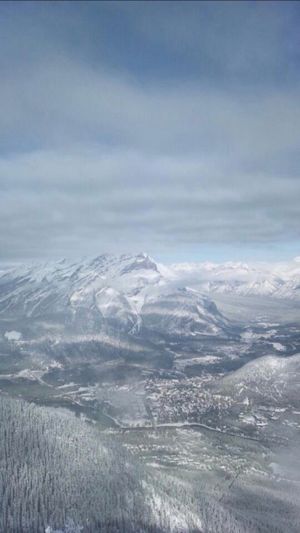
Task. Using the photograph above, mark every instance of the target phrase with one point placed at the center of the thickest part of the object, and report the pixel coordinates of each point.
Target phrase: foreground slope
(56, 469)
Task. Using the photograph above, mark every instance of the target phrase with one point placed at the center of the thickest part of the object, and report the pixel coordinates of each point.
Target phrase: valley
(202, 387)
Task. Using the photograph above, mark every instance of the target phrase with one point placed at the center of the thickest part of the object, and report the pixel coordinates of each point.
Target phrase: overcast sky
(171, 128)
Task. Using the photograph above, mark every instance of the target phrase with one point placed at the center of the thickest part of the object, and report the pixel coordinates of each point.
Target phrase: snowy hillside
(269, 379)
(183, 312)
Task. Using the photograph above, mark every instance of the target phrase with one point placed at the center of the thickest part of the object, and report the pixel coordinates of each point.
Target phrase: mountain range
(134, 293)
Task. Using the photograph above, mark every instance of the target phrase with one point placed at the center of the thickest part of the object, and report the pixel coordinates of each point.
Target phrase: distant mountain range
(280, 280)
(134, 292)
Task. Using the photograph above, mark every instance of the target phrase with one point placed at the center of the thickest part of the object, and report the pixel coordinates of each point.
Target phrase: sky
(171, 128)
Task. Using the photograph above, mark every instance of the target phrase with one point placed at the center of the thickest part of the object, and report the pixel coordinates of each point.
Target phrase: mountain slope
(269, 380)
(183, 312)
(126, 294)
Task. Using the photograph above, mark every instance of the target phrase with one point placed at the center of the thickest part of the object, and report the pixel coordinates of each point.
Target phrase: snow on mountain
(126, 293)
(281, 280)
(52, 285)
(131, 293)
(268, 379)
(182, 312)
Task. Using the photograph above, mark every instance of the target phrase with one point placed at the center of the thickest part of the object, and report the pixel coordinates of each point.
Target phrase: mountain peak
(141, 261)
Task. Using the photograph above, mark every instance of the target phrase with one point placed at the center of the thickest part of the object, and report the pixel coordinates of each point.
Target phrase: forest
(59, 473)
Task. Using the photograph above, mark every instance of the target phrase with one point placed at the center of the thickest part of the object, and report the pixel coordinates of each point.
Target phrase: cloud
(97, 158)
(65, 103)
(97, 200)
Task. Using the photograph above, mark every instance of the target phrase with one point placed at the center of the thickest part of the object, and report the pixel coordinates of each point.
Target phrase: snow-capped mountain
(280, 280)
(133, 294)
(126, 293)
